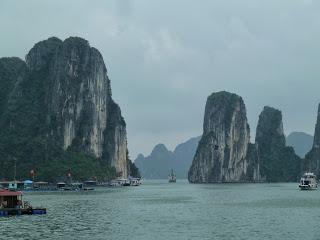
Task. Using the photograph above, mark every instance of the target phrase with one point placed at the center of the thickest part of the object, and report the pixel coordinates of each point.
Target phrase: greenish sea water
(159, 210)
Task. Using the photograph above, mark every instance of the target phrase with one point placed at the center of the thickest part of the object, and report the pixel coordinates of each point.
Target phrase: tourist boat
(76, 186)
(11, 204)
(121, 182)
(308, 182)
(135, 181)
(172, 177)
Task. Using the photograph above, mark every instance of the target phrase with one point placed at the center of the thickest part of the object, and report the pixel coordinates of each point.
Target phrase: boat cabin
(77, 186)
(135, 181)
(308, 181)
(90, 183)
(61, 185)
(10, 199)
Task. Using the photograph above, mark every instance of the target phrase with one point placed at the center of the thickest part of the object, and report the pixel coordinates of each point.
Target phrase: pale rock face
(222, 151)
(316, 142)
(120, 148)
(311, 163)
(225, 153)
(79, 98)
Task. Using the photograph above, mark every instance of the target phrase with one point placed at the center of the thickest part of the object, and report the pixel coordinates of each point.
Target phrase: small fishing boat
(172, 177)
(308, 181)
(11, 204)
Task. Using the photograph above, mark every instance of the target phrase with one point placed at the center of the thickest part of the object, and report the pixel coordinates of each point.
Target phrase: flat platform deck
(23, 211)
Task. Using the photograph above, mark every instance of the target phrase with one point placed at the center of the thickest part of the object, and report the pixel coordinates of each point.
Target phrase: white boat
(308, 181)
(135, 181)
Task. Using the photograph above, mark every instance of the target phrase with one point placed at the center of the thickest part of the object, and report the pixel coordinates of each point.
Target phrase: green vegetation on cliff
(278, 163)
(311, 163)
(42, 97)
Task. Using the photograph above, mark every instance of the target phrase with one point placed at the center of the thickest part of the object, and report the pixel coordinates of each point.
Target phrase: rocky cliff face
(312, 159)
(277, 162)
(11, 71)
(222, 150)
(225, 153)
(66, 87)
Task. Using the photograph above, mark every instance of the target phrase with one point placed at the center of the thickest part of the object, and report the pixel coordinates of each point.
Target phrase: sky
(165, 57)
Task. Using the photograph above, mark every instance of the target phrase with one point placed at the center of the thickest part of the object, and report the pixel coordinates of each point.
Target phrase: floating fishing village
(11, 192)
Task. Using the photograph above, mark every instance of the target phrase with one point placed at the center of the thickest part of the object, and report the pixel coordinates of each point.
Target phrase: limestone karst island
(159, 120)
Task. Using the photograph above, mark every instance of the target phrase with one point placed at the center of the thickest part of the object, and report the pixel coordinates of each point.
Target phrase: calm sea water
(159, 210)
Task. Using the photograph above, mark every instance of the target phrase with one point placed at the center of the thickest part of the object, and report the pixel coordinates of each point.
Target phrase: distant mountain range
(301, 142)
(161, 160)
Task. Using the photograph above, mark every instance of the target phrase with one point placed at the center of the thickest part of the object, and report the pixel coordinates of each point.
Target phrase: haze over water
(159, 210)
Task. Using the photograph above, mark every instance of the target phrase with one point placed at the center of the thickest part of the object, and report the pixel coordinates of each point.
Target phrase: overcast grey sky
(164, 57)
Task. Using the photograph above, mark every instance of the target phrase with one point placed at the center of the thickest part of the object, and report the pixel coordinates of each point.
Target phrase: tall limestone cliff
(225, 154)
(312, 159)
(222, 151)
(277, 162)
(59, 110)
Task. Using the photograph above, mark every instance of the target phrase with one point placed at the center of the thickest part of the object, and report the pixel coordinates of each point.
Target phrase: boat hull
(306, 188)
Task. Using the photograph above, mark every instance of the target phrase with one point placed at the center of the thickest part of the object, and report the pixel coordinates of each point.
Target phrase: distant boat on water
(172, 177)
(308, 181)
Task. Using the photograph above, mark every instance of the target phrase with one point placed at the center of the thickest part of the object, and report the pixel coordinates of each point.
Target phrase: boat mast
(15, 168)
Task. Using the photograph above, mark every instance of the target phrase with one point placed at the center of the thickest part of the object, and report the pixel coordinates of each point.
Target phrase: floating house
(12, 185)
(9, 199)
(27, 184)
(11, 204)
(41, 186)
